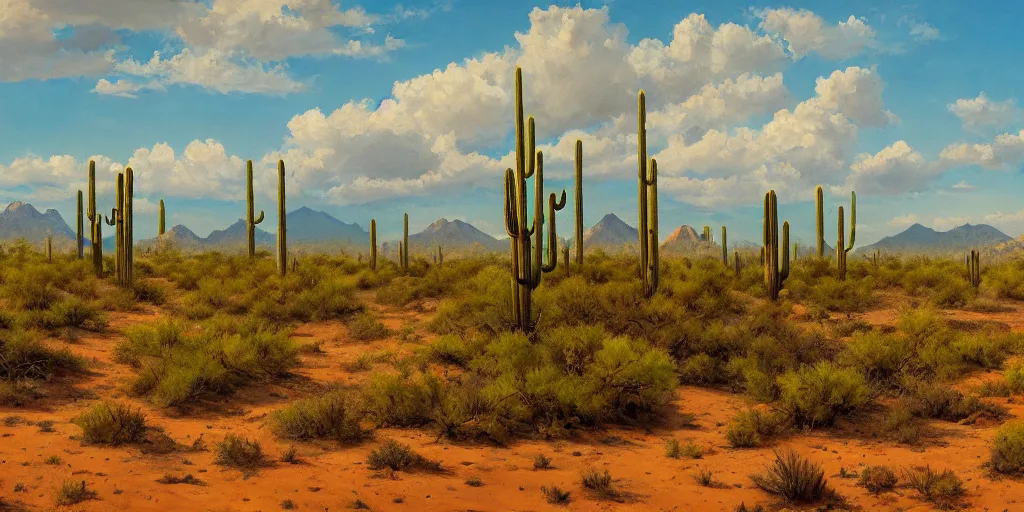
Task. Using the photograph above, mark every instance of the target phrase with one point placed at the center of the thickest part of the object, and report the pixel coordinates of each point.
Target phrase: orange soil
(331, 478)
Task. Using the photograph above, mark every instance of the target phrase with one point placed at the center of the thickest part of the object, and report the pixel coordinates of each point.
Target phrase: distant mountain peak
(17, 205)
(611, 234)
(919, 239)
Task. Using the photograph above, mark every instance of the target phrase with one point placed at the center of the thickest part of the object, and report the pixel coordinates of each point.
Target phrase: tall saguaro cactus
(403, 253)
(974, 268)
(578, 237)
(250, 209)
(819, 220)
(440, 256)
(373, 244)
(725, 249)
(707, 234)
(95, 224)
(122, 218)
(774, 276)
(842, 249)
(80, 232)
(49, 248)
(282, 226)
(527, 265)
(647, 200)
(161, 224)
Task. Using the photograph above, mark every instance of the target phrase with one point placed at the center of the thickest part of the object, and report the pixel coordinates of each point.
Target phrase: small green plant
(73, 493)
(541, 461)
(291, 455)
(288, 505)
(877, 479)
(53, 460)
(397, 457)
(705, 478)
(475, 482)
(333, 415)
(672, 448)
(240, 453)
(944, 489)
(752, 428)
(555, 495)
(794, 477)
(364, 327)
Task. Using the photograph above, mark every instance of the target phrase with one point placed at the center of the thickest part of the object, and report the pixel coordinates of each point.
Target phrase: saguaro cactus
(647, 200)
(841, 248)
(736, 259)
(95, 224)
(80, 232)
(373, 244)
(161, 223)
(440, 256)
(578, 236)
(819, 220)
(122, 218)
(403, 249)
(282, 227)
(250, 209)
(774, 276)
(725, 249)
(974, 268)
(49, 248)
(527, 265)
(707, 234)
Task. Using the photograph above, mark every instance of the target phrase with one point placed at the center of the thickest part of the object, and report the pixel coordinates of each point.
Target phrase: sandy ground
(331, 478)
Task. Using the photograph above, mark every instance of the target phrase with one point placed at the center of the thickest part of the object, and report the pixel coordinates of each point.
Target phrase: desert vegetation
(571, 379)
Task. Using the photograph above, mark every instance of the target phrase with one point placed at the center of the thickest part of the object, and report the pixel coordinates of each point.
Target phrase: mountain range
(318, 231)
(918, 239)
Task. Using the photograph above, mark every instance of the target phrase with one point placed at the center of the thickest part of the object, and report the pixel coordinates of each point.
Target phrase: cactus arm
(552, 262)
(258, 219)
(511, 221)
(652, 207)
(113, 217)
(785, 252)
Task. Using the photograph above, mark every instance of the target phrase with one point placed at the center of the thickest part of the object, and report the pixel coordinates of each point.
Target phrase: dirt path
(331, 477)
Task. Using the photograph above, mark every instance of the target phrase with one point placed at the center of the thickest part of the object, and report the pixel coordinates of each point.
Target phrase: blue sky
(913, 106)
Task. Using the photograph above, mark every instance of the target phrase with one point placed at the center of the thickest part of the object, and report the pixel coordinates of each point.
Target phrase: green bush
(241, 453)
(877, 479)
(334, 415)
(752, 428)
(398, 457)
(113, 424)
(365, 327)
(816, 395)
(1008, 449)
(944, 490)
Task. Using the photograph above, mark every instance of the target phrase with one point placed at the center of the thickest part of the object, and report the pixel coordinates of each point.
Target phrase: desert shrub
(365, 327)
(1008, 449)
(334, 415)
(752, 428)
(816, 395)
(176, 366)
(483, 305)
(454, 350)
(33, 286)
(72, 493)
(73, 312)
(794, 478)
(701, 369)
(881, 358)
(555, 495)
(400, 400)
(901, 425)
(877, 479)
(241, 453)
(944, 490)
(112, 424)
(24, 356)
(598, 483)
(934, 400)
(1014, 376)
(541, 461)
(846, 296)
(1006, 280)
(398, 457)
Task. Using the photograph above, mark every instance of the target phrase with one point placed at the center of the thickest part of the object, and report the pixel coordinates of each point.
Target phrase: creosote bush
(333, 415)
(113, 424)
(241, 453)
(794, 478)
(1008, 449)
(877, 479)
(398, 457)
(945, 490)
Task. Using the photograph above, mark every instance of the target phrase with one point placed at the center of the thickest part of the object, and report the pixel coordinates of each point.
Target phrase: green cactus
(565, 256)
(774, 276)
(796, 251)
(527, 265)
(49, 248)
(373, 245)
(282, 228)
(122, 218)
(95, 223)
(161, 222)
(819, 220)
(80, 232)
(440, 256)
(842, 249)
(725, 249)
(974, 268)
(736, 259)
(250, 210)
(647, 200)
(707, 234)
(578, 235)
(403, 252)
